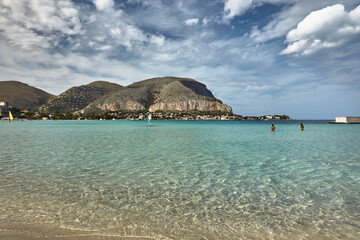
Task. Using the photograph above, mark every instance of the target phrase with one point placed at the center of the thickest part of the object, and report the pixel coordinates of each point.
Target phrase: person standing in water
(301, 126)
(272, 127)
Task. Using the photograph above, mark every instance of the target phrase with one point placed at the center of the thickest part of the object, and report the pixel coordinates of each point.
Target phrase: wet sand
(9, 235)
(21, 236)
(23, 231)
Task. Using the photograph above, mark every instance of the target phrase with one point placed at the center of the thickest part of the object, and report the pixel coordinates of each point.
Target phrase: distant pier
(346, 120)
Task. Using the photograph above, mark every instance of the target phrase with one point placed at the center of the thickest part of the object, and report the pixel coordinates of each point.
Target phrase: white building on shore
(347, 120)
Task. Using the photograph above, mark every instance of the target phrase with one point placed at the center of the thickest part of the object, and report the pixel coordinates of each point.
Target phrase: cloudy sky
(296, 57)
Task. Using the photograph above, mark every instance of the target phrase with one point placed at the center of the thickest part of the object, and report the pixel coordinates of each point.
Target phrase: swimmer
(272, 127)
(301, 126)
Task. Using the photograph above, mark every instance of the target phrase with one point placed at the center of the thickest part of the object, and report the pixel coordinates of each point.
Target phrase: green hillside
(77, 98)
(22, 95)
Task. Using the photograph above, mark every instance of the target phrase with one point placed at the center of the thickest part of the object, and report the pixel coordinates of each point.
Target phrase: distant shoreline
(155, 120)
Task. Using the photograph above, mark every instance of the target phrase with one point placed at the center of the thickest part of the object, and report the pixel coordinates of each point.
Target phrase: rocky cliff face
(77, 98)
(191, 105)
(160, 94)
(128, 105)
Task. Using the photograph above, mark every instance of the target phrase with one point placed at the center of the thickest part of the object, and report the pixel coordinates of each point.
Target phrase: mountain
(22, 95)
(160, 94)
(77, 98)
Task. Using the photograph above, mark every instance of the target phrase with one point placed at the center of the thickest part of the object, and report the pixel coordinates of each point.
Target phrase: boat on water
(149, 118)
(10, 117)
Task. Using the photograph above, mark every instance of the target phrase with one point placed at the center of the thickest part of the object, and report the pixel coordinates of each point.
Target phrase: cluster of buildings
(275, 117)
(168, 116)
(183, 116)
(5, 107)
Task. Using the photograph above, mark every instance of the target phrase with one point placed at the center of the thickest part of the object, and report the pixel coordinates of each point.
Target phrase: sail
(149, 118)
(10, 117)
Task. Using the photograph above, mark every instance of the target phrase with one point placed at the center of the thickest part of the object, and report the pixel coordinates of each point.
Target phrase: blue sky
(295, 57)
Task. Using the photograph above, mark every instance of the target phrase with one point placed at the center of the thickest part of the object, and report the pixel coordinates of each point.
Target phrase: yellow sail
(10, 117)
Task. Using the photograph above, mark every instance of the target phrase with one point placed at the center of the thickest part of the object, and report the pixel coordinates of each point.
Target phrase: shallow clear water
(183, 179)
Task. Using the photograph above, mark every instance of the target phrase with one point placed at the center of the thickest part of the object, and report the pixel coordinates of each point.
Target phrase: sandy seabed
(23, 231)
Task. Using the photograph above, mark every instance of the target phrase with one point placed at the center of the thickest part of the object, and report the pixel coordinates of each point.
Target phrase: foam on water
(183, 180)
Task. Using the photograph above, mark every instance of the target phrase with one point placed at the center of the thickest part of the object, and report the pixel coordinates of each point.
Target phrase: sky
(295, 57)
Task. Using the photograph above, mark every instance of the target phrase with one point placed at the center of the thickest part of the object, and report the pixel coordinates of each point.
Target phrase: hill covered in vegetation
(22, 95)
(77, 98)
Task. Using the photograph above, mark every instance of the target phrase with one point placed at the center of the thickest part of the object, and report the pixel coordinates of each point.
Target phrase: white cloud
(205, 21)
(233, 8)
(325, 28)
(292, 12)
(44, 15)
(191, 21)
(21, 21)
(26, 38)
(102, 5)
(158, 40)
(286, 19)
(317, 22)
(277, 27)
(43, 24)
(126, 35)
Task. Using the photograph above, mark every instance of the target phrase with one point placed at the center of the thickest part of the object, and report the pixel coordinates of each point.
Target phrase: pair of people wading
(273, 127)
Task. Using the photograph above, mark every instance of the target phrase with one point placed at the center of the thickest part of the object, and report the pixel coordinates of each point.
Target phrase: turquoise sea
(181, 179)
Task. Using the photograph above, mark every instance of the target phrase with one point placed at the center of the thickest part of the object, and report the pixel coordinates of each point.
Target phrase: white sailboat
(149, 118)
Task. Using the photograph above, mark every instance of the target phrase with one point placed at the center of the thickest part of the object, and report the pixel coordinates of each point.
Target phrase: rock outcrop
(191, 105)
(160, 94)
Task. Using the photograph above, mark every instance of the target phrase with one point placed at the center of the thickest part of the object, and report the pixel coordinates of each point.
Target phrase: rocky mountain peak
(161, 94)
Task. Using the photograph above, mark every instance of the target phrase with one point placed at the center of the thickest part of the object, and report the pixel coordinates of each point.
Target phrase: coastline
(180, 119)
